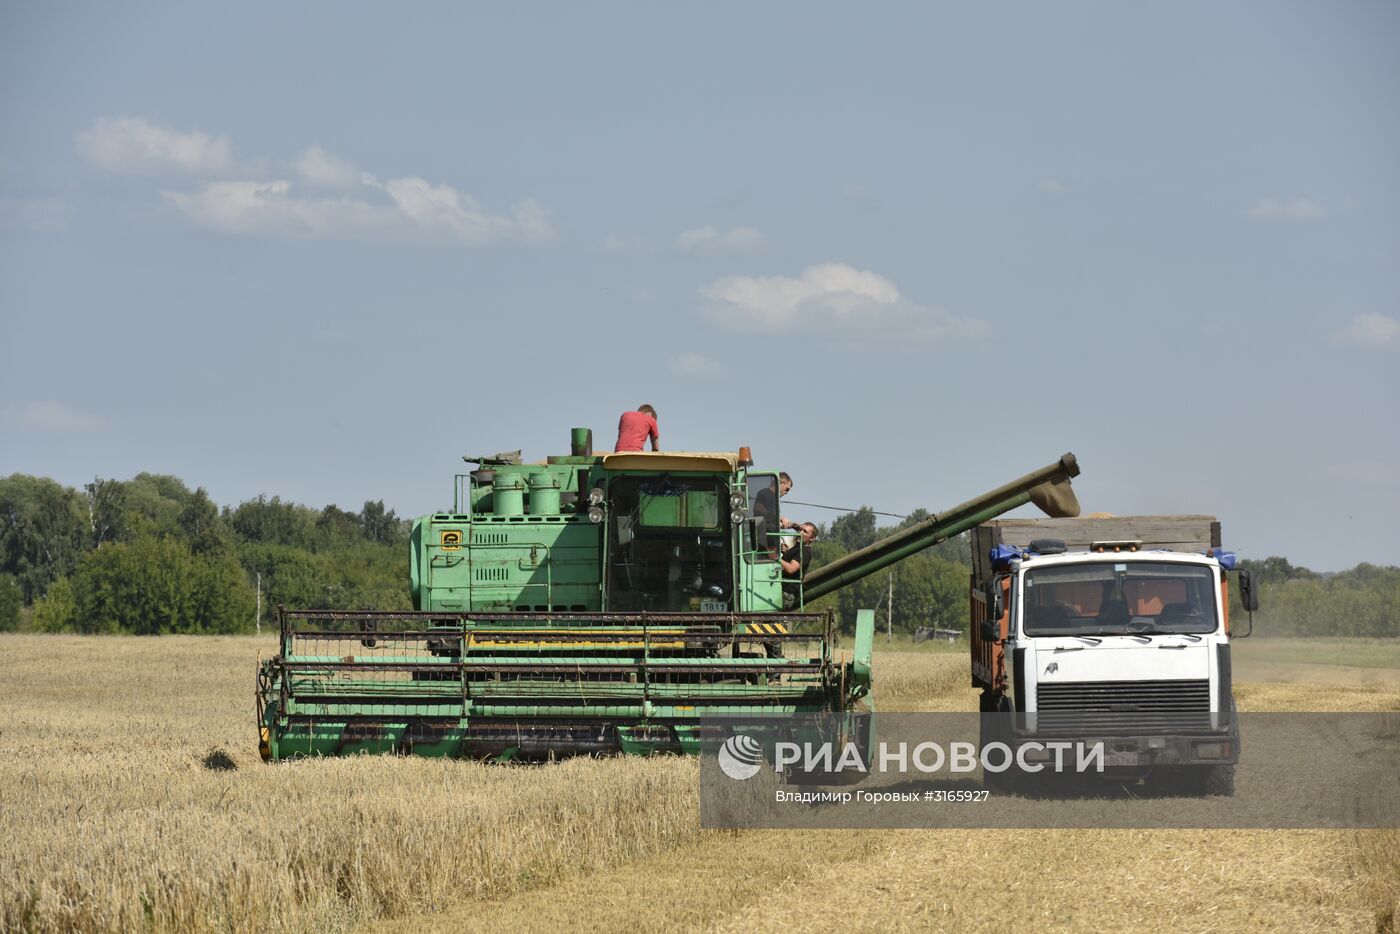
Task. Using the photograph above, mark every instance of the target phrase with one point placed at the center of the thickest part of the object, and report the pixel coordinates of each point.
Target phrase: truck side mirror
(1249, 597)
(991, 592)
(990, 631)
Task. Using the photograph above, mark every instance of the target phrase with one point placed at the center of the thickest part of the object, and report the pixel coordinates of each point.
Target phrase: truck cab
(1113, 642)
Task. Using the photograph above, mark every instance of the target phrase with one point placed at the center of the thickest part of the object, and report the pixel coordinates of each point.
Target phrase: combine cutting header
(592, 603)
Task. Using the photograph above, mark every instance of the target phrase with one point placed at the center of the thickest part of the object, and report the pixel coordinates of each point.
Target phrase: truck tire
(995, 712)
(1218, 780)
(1194, 781)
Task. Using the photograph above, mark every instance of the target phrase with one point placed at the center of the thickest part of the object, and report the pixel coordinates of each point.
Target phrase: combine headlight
(737, 500)
(736, 517)
(595, 496)
(595, 514)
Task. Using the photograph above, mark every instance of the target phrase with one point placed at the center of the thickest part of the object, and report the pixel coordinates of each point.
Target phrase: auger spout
(1048, 488)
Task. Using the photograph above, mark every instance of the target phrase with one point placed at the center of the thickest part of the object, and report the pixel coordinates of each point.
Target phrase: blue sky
(906, 253)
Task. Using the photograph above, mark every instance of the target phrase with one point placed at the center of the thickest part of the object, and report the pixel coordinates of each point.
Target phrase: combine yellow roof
(652, 461)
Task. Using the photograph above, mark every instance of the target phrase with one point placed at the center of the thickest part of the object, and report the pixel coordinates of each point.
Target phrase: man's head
(647, 410)
(784, 483)
(809, 532)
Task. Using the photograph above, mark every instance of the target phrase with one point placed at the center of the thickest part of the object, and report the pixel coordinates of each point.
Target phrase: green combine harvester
(591, 604)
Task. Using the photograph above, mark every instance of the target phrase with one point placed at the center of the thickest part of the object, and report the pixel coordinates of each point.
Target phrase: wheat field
(132, 799)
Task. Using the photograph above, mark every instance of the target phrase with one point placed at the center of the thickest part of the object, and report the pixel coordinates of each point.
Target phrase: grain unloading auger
(589, 604)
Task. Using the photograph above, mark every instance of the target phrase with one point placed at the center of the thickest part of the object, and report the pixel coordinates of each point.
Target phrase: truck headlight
(737, 500)
(595, 497)
(595, 514)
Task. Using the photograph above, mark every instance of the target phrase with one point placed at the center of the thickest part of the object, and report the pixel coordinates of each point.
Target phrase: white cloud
(49, 416)
(270, 208)
(710, 240)
(1295, 209)
(441, 209)
(414, 210)
(318, 167)
(330, 197)
(1052, 186)
(133, 146)
(1377, 332)
(694, 364)
(772, 303)
(831, 298)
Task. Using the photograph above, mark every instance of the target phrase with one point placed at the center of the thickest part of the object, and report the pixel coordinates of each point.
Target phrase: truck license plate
(713, 606)
(1125, 758)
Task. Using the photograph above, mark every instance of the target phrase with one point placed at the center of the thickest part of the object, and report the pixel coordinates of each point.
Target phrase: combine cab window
(1119, 598)
(669, 545)
(761, 538)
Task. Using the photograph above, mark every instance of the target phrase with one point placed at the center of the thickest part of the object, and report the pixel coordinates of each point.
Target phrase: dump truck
(1112, 630)
(591, 604)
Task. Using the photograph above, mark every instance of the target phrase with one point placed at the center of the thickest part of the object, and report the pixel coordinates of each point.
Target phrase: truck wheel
(1218, 780)
(1194, 781)
(995, 712)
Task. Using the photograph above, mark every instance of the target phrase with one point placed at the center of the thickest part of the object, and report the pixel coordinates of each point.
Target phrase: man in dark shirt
(765, 504)
(633, 429)
(795, 561)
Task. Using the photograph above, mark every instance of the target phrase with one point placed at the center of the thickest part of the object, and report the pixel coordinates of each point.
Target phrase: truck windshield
(1119, 598)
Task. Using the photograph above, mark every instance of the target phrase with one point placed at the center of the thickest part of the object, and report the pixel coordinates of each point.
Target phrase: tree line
(149, 555)
(929, 588)
(1363, 601)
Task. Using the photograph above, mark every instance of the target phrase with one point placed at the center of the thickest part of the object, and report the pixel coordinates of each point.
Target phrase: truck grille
(1127, 707)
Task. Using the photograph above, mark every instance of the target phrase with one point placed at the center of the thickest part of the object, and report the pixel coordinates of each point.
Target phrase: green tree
(150, 586)
(57, 609)
(202, 528)
(107, 510)
(338, 528)
(43, 531)
(289, 576)
(11, 599)
(1275, 570)
(380, 526)
(854, 530)
(159, 499)
(370, 575)
(271, 521)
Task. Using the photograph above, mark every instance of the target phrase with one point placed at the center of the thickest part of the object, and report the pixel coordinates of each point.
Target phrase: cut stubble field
(132, 798)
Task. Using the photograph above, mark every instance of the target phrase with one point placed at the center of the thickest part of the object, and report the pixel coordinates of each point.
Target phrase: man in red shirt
(634, 428)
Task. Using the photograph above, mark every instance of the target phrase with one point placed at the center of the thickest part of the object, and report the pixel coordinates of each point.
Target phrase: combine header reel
(535, 686)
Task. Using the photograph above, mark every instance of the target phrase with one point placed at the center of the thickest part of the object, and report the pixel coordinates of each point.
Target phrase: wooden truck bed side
(1176, 533)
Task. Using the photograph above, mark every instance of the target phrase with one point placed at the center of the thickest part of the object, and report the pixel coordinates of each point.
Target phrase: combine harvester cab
(589, 604)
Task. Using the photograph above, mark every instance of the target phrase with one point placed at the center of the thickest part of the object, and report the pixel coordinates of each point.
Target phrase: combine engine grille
(1123, 707)
(534, 685)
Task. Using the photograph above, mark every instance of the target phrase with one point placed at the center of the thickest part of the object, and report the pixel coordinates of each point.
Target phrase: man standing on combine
(634, 428)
